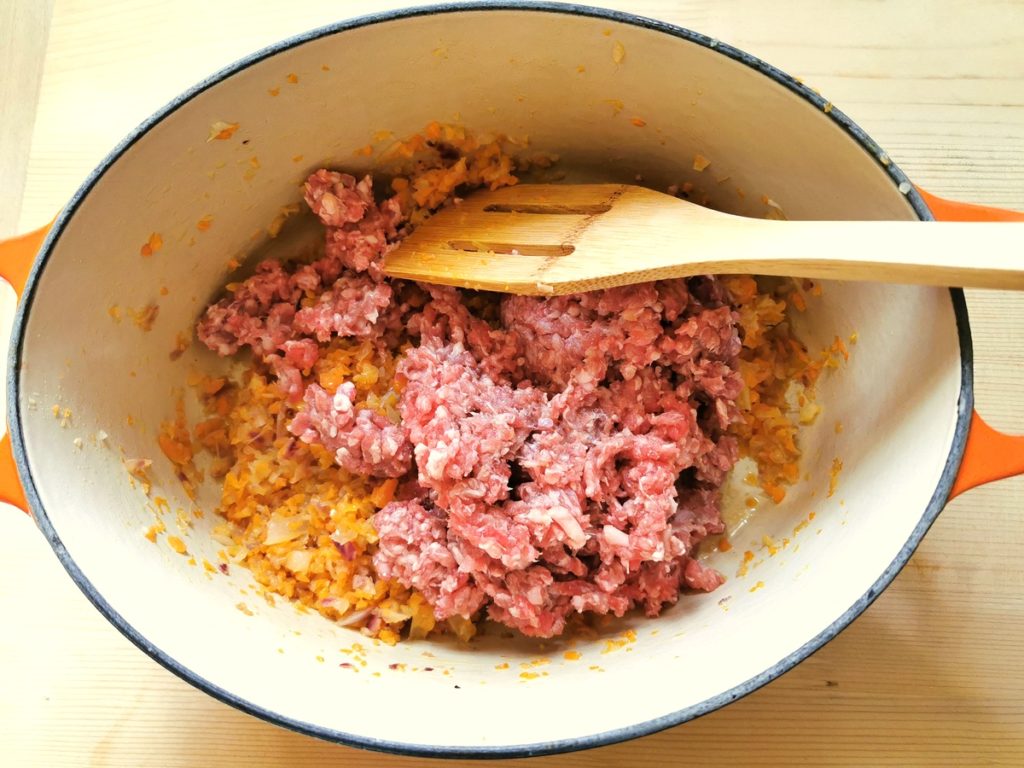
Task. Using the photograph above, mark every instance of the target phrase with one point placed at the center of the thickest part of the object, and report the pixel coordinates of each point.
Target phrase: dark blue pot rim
(935, 505)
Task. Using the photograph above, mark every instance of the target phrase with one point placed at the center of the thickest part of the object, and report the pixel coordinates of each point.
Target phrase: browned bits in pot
(181, 343)
(833, 476)
(145, 317)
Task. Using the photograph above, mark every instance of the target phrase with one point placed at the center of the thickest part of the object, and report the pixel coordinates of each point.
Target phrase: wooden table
(932, 674)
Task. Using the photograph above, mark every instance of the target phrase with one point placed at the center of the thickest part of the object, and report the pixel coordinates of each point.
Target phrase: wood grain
(21, 65)
(932, 674)
(554, 239)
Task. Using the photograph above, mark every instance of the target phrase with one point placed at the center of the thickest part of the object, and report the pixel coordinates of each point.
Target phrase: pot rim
(936, 503)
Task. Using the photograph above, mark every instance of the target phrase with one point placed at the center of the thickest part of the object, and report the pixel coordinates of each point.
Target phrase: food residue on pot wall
(152, 245)
(221, 131)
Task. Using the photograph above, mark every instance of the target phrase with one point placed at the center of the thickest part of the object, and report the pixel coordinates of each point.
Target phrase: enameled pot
(614, 96)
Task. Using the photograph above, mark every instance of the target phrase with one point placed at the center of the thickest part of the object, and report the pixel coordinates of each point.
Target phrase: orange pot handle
(16, 258)
(948, 210)
(989, 455)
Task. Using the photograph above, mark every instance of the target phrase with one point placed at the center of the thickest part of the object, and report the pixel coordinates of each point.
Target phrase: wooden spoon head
(540, 239)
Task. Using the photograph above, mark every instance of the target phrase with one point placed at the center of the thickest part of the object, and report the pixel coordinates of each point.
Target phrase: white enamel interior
(516, 72)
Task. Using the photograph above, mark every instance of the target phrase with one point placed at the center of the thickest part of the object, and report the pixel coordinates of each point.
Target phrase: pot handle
(949, 210)
(989, 455)
(16, 258)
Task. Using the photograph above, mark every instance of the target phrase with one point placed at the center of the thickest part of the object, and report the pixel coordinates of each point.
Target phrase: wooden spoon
(545, 239)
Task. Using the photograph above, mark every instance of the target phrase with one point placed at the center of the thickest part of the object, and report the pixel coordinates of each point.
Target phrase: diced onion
(281, 529)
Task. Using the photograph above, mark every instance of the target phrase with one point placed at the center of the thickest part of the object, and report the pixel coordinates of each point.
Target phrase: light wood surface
(553, 239)
(932, 674)
(21, 70)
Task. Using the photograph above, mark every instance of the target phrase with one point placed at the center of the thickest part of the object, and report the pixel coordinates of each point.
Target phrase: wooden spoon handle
(976, 255)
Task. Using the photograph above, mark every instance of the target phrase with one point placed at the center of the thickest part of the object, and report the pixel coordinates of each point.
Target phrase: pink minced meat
(358, 230)
(413, 550)
(569, 495)
(258, 313)
(466, 428)
(558, 455)
(363, 441)
(264, 312)
(349, 308)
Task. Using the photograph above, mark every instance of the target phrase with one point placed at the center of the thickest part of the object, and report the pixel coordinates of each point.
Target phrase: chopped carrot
(211, 386)
(178, 453)
(177, 545)
(776, 492)
(221, 131)
(384, 493)
(151, 246)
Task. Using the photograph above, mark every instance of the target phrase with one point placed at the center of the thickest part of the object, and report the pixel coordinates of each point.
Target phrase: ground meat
(337, 199)
(464, 426)
(557, 455)
(524, 599)
(413, 551)
(699, 576)
(697, 516)
(557, 333)
(500, 352)
(263, 312)
(363, 442)
(601, 404)
(350, 307)
(359, 231)
(490, 537)
(296, 360)
(257, 314)
(554, 518)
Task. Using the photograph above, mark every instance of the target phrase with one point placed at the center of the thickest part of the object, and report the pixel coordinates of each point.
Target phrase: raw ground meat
(414, 551)
(363, 442)
(567, 452)
(266, 311)
(349, 308)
